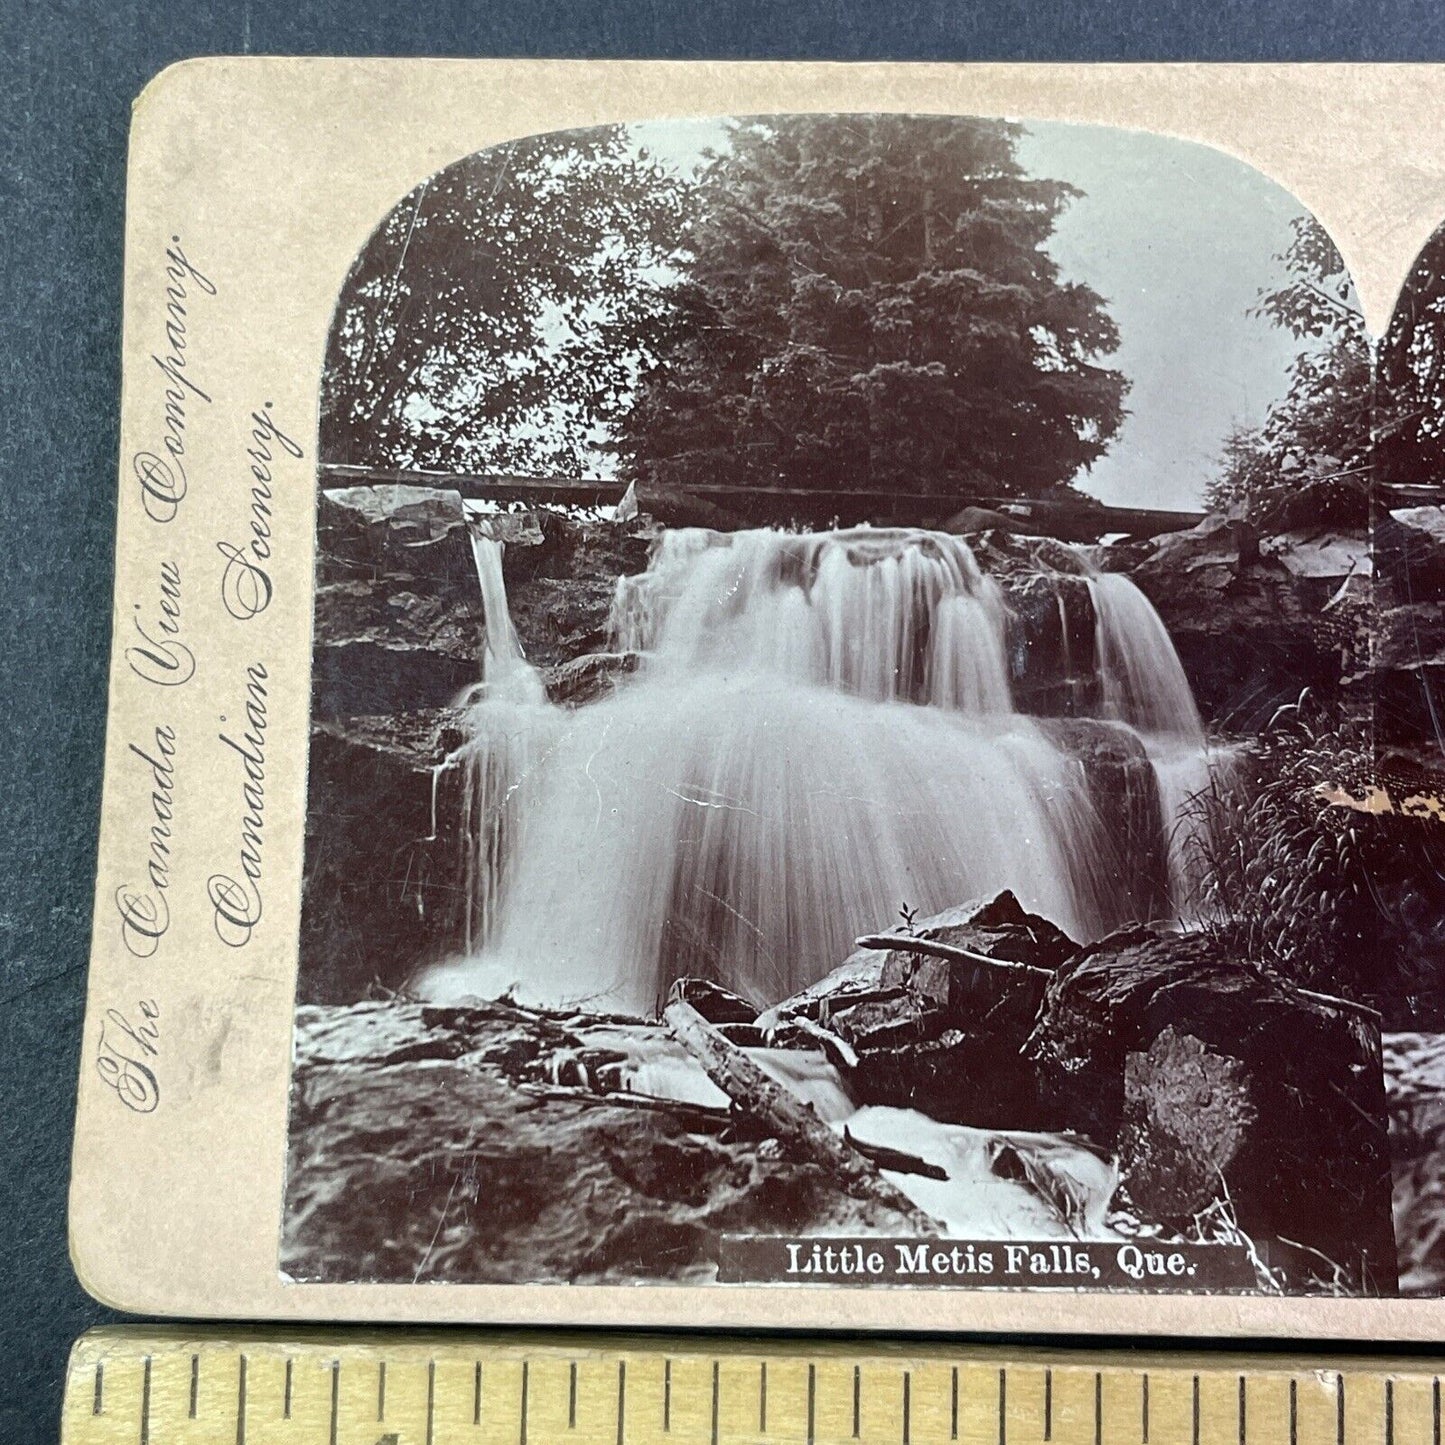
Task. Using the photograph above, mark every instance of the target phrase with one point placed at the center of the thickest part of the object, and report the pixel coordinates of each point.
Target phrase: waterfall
(507, 676)
(822, 731)
(1144, 684)
(509, 724)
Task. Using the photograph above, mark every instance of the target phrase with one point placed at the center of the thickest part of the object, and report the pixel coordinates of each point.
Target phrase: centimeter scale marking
(134, 1386)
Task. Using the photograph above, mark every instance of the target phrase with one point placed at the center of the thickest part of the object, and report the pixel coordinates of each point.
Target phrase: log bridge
(1076, 518)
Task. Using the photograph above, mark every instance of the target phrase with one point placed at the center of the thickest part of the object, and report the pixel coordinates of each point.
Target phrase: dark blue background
(68, 72)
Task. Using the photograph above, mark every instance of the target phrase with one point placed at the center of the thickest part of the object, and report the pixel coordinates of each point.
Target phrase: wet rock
(377, 874)
(1223, 1090)
(1121, 865)
(465, 1163)
(1049, 637)
(716, 1004)
(1251, 632)
(589, 677)
(399, 624)
(944, 1035)
(560, 592)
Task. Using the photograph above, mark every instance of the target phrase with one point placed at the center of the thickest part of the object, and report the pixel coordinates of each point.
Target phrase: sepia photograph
(876, 697)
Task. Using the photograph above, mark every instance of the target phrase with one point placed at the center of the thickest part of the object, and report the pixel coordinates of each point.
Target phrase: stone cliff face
(1257, 619)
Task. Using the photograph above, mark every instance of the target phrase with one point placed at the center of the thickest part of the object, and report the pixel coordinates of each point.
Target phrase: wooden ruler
(139, 1386)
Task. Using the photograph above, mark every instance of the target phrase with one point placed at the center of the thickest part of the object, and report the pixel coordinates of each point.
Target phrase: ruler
(142, 1386)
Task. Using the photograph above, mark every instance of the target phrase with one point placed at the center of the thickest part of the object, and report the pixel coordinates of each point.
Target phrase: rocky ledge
(975, 1073)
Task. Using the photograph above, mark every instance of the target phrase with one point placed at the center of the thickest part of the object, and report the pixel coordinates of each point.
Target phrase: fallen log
(898, 1160)
(699, 1118)
(786, 1116)
(906, 943)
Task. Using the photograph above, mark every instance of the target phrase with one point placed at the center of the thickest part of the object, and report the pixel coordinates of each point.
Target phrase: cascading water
(822, 731)
(509, 722)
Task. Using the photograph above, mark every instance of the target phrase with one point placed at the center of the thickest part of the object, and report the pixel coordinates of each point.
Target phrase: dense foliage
(1326, 894)
(495, 319)
(868, 303)
(1321, 428)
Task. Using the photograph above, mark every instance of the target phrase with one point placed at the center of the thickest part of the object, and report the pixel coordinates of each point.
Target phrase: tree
(1410, 394)
(867, 302)
(1320, 430)
(496, 318)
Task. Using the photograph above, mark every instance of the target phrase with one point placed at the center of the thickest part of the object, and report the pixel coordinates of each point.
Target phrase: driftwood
(786, 1116)
(905, 943)
(898, 1160)
(699, 1118)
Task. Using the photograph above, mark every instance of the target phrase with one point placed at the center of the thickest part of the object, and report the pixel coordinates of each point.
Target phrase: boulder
(480, 1145)
(942, 1034)
(1225, 1091)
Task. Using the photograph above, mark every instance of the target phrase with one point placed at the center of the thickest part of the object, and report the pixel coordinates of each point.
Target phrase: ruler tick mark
(477, 1394)
(1144, 1409)
(522, 1435)
(1435, 1408)
(621, 1399)
(952, 1412)
(431, 1397)
(1195, 1436)
(145, 1404)
(286, 1393)
(335, 1397)
(240, 1403)
(857, 1399)
(1002, 1406)
(763, 1398)
(1098, 1408)
(195, 1385)
(714, 1401)
(1340, 1409)
(1389, 1412)
(381, 1392)
(812, 1398)
(667, 1395)
(98, 1405)
(572, 1397)
(1293, 1413)
(1243, 1410)
(907, 1403)
(1048, 1404)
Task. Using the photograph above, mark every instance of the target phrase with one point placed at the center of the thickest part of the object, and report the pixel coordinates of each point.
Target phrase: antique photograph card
(777, 694)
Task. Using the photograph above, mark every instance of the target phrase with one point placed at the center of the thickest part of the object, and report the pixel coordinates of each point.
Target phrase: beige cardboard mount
(271, 174)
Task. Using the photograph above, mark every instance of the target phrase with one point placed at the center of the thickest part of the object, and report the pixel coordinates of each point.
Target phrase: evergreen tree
(868, 303)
